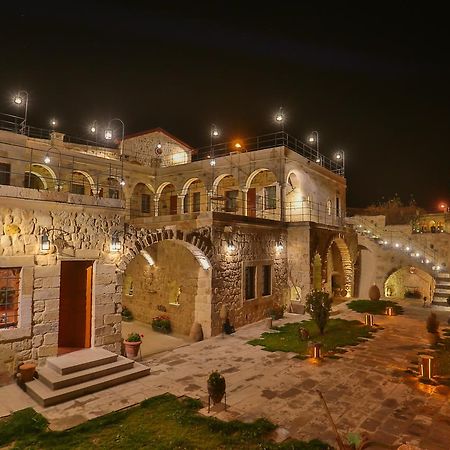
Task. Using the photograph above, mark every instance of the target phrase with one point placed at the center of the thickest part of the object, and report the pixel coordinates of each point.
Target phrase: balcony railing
(272, 140)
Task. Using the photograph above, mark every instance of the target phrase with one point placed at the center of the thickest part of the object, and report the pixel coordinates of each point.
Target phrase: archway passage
(167, 279)
(141, 201)
(339, 269)
(409, 282)
(262, 195)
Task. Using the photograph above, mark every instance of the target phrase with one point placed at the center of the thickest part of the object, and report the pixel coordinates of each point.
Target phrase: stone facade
(238, 236)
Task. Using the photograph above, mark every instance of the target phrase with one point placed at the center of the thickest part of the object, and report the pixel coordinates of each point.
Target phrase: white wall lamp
(45, 242)
(279, 246)
(116, 245)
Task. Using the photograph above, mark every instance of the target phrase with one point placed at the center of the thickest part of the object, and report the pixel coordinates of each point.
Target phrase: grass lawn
(374, 306)
(338, 333)
(163, 422)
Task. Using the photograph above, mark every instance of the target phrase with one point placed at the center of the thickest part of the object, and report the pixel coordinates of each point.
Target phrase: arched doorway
(172, 278)
(409, 282)
(194, 196)
(141, 201)
(263, 195)
(167, 200)
(226, 195)
(339, 269)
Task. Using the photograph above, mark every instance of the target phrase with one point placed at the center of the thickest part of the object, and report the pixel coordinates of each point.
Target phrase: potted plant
(133, 344)
(433, 329)
(26, 371)
(216, 386)
(127, 315)
(161, 324)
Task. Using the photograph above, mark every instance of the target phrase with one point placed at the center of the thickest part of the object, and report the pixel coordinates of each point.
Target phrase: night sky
(373, 79)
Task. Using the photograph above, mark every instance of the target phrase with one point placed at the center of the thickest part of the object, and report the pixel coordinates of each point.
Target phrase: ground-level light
(426, 366)
(390, 311)
(368, 320)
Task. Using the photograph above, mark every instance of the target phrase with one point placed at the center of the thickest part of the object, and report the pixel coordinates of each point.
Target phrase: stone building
(161, 228)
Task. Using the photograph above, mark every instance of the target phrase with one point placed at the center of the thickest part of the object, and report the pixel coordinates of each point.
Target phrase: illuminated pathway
(366, 390)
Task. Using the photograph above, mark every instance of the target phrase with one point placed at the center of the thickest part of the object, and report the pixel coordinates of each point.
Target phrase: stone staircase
(442, 291)
(82, 372)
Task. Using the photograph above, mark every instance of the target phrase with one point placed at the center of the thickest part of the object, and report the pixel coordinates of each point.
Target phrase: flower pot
(132, 348)
(216, 391)
(26, 371)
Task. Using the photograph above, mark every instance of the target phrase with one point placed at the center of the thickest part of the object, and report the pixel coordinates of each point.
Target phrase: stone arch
(194, 196)
(88, 177)
(198, 245)
(347, 263)
(256, 172)
(218, 179)
(399, 280)
(162, 186)
(141, 200)
(163, 199)
(29, 180)
(197, 241)
(44, 171)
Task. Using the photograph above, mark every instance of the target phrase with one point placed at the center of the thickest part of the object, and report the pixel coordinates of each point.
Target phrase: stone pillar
(180, 204)
(244, 191)
(283, 202)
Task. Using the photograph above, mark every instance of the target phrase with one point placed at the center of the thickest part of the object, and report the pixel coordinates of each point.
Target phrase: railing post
(31, 167)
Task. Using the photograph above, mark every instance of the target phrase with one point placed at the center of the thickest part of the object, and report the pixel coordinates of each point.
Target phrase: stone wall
(253, 245)
(76, 233)
(169, 287)
(409, 279)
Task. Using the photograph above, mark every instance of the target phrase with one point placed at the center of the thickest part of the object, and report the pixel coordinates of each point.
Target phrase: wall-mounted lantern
(116, 245)
(45, 242)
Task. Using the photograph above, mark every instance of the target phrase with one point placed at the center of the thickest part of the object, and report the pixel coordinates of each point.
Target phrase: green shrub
(162, 324)
(318, 306)
(277, 311)
(134, 337)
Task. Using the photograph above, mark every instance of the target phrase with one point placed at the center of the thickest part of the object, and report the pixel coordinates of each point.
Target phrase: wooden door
(75, 307)
(251, 202)
(173, 204)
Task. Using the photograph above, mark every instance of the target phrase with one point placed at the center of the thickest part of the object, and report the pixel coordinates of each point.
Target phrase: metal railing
(299, 211)
(272, 140)
(54, 170)
(397, 240)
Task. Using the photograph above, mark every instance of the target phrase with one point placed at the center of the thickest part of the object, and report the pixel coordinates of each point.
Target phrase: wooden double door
(75, 307)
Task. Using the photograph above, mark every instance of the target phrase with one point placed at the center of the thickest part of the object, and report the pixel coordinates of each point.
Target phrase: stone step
(55, 380)
(80, 360)
(442, 291)
(444, 275)
(47, 397)
(441, 283)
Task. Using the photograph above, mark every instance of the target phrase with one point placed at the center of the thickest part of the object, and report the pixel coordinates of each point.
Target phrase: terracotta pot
(216, 392)
(27, 371)
(132, 348)
(374, 292)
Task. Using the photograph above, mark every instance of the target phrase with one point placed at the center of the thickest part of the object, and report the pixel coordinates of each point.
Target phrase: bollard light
(390, 311)
(426, 366)
(368, 320)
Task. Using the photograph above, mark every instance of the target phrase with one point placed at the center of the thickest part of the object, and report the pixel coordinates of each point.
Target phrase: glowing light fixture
(122, 182)
(368, 320)
(108, 134)
(45, 242)
(408, 249)
(417, 254)
(230, 246)
(115, 243)
(426, 366)
(53, 122)
(390, 311)
(47, 159)
(212, 163)
(397, 245)
(279, 246)
(18, 100)
(237, 145)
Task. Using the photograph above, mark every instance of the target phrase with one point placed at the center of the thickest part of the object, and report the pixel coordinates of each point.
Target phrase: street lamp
(53, 122)
(214, 132)
(280, 118)
(340, 157)
(19, 99)
(109, 136)
(314, 139)
(444, 208)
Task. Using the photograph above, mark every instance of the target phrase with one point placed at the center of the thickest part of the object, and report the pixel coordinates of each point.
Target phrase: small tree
(318, 306)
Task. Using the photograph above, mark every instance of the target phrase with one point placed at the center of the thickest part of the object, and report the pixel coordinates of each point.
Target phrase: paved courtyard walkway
(366, 389)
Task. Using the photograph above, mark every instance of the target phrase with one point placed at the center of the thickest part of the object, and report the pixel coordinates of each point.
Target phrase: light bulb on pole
(109, 136)
(314, 139)
(340, 157)
(20, 98)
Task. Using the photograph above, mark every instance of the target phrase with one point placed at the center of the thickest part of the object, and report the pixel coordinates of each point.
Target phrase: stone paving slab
(366, 389)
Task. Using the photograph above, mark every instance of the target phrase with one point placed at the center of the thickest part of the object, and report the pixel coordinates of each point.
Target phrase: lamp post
(314, 139)
(340, 156)
(213, 134)
(19, 99)
(109, 136)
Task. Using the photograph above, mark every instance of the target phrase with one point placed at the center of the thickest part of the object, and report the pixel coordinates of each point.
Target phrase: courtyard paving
(366, 390)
